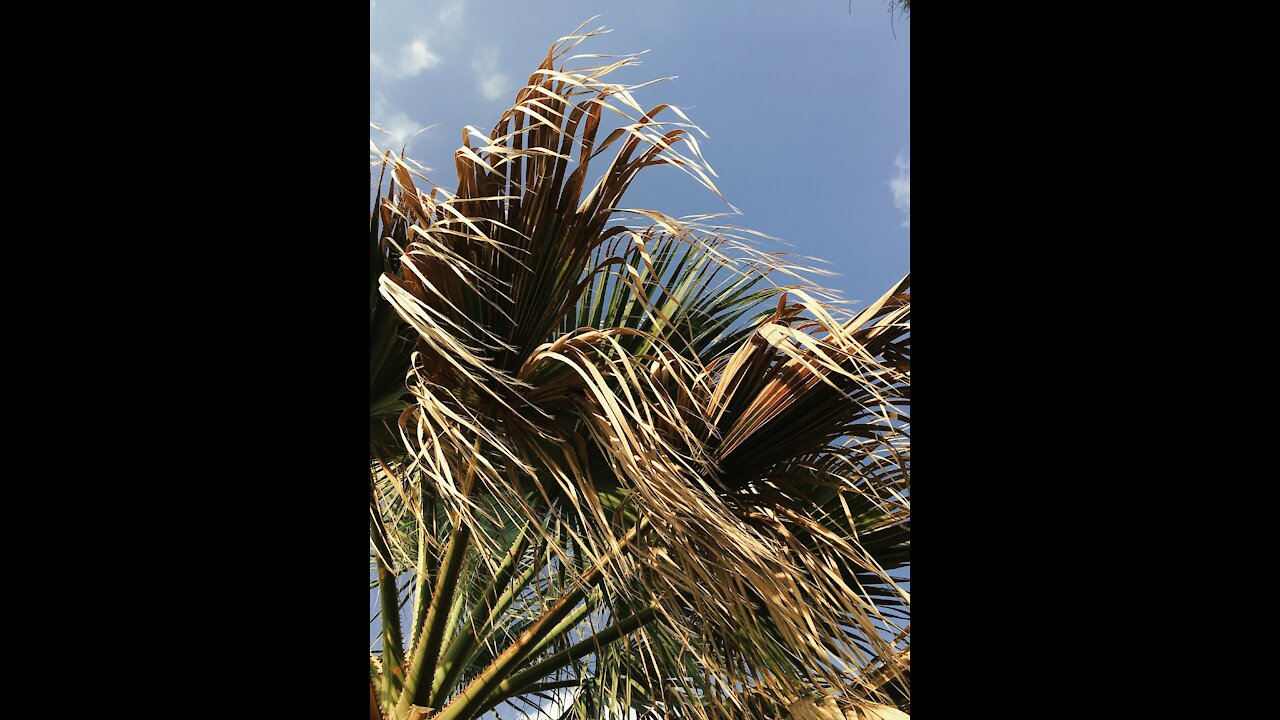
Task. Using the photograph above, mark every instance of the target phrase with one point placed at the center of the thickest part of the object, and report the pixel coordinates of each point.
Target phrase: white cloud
(493, 84)
(410, 60)
(416, 57)
(901, 187)
(410, 42)
(399, 126)
(450, 14)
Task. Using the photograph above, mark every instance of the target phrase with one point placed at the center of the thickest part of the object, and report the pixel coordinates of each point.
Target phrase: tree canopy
(620, 460)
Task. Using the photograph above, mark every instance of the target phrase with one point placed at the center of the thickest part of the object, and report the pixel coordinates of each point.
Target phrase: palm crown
(629, 459)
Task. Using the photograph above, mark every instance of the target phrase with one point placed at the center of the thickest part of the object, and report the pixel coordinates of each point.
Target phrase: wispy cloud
(416, 57)
(493, 84)
(399, 126)
(450, 14)
(407, 39)
(417, 43)
(901, 187)
(409, 60)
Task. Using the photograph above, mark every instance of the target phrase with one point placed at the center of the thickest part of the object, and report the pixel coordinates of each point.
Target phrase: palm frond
(649, 462)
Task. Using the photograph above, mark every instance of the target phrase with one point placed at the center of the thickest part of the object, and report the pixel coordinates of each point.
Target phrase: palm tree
(620, 461)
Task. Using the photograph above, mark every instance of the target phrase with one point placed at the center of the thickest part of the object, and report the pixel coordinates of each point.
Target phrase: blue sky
(806, 104)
